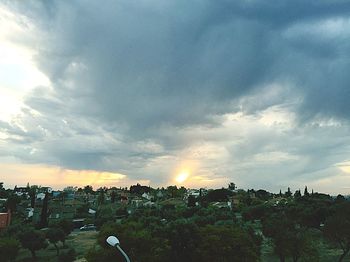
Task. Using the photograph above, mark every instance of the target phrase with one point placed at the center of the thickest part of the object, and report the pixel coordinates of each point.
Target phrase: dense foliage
(186, 234)
(175, 224)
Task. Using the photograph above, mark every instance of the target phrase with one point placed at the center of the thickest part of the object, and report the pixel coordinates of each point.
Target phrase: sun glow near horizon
(182, 176)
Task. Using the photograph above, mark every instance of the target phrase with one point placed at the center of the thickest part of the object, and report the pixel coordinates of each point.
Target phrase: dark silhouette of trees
(174, 191)
(12, 202)
(32, 192)
(33, 240)
(44, 212)
(288, 193)
(297, 194)
(262, 194)
(225, 244)
(191, 201)
(255, 212)
(63, 196)
(138, 189)
(88, 190)
(232, 186)
(3, 193)
(113, 196)
(66, 226)
(218, 195)
(9, 248)
(137, 241)
(54, 235)
(101, 198)
(337, 229)
(289, 239)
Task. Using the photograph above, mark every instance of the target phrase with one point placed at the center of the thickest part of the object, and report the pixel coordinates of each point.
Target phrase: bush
(67, 256)
(98, 254)
(8, 249)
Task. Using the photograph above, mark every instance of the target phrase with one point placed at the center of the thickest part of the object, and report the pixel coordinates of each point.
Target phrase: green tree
(54, 235)
(88, 190)
(68, 256)
(137, 241)
(12, 202)
(191, 201)
(9, 248)
(63, 196)
(297, 194)
(225, 244)
(101, 198)
(288, 193)
(99, 254)
(32, 192)
(44, 211)
(340, 199)
(173, 191)
(66, 225)
(3, 193)
(183, 239)
(33, 240)
(232, 186)
(337, 230)
(218, 195)
(289, 239)
(113, 196)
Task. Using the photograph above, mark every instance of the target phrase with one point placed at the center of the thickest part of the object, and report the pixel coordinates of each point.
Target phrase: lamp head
(113, 241)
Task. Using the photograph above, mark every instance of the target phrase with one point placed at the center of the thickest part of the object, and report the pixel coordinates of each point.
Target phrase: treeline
(296, 226)
(28, 237)
(179, 234)
(206, 225)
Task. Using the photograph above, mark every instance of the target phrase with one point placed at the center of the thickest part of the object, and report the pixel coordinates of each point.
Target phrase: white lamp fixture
(114, 242)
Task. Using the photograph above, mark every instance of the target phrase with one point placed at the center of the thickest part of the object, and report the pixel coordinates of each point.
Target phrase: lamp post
(114, 242)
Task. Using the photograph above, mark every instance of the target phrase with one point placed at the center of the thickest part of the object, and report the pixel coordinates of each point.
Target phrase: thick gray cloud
(136, 85)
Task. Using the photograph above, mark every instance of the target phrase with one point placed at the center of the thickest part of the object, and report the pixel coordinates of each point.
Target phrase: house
(124, 198)
(147, 196)
(160, 194)
(29, 212)
(193, 192)
(45, 189)
(203, 191)
(5, 219)
(149, 204)
(221, 204)
(136, 201)
(234, 201)
(40, 196)
(21, 189)
(278, 201)
(91, 211)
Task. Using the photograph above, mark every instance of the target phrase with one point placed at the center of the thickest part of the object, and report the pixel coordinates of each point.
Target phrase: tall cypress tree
(43, 216)
(32, 192)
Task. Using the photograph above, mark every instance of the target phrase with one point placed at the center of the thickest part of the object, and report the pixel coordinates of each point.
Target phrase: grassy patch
(80, 241)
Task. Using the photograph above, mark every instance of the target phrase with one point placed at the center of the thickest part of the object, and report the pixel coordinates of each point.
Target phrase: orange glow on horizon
(58, 178)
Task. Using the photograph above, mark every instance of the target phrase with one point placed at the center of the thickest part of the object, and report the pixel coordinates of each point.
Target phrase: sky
(187, 92)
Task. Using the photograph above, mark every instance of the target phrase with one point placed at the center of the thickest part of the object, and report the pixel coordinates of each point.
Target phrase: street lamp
(114, 242)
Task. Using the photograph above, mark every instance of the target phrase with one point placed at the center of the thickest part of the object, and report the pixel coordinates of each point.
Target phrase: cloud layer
(249, 91)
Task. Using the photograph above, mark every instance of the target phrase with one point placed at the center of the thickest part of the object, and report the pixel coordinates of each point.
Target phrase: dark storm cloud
(131, 81)
(145, 63)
